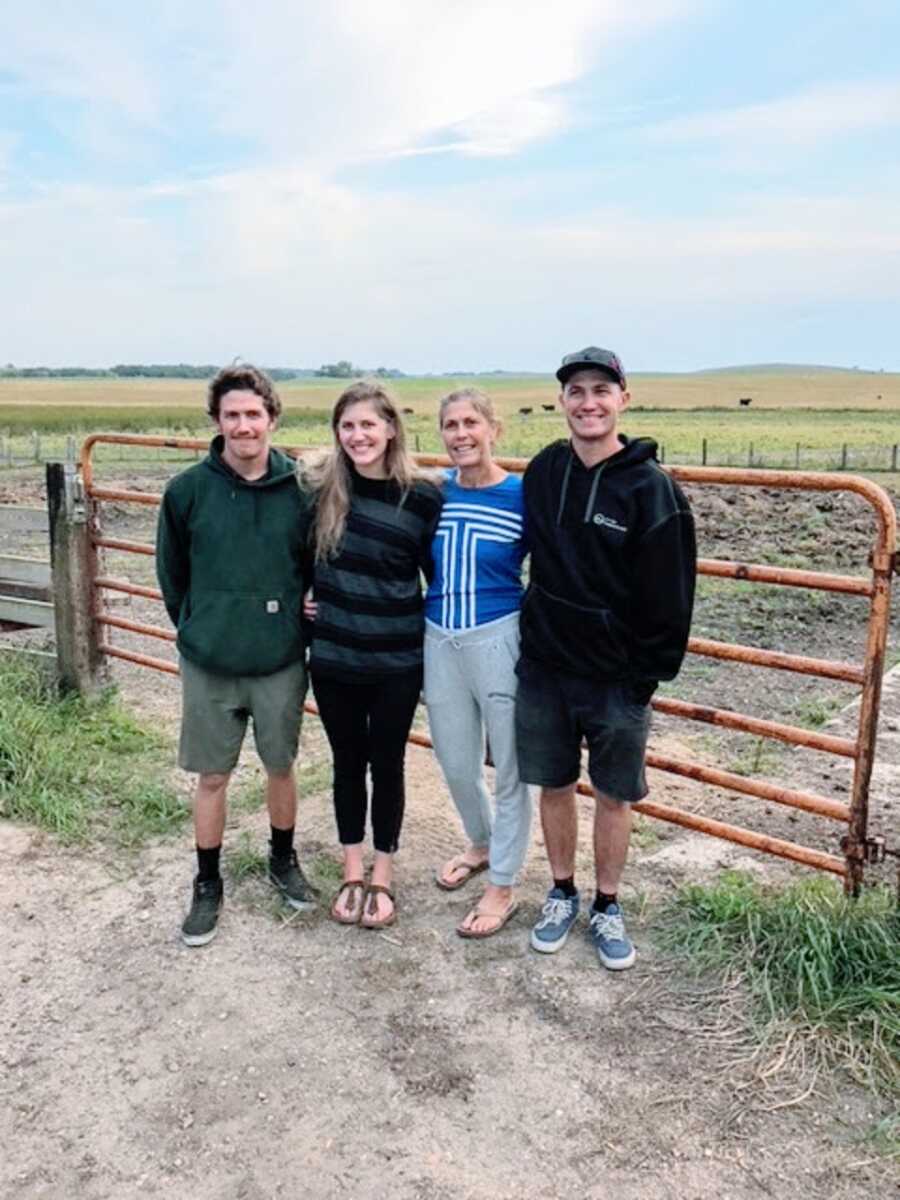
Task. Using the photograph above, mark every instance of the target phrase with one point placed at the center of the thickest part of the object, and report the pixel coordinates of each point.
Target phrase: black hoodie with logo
(613, 560)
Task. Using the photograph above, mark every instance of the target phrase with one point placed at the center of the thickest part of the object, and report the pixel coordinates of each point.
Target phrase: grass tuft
(244, 860)
(807, 955)
(80, 768)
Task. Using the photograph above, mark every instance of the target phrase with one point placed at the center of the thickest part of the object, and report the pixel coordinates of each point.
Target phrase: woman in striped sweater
(375, 518)
(471, 650)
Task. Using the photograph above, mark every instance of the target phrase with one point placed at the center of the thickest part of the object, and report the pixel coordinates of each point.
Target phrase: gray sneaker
(200, 924)
(287, 878)
(557, 918)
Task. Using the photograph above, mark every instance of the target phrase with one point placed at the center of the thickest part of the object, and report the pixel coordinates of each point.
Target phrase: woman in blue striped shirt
(471, 650)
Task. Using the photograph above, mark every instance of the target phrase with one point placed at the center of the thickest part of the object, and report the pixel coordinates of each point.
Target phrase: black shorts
(555, 711)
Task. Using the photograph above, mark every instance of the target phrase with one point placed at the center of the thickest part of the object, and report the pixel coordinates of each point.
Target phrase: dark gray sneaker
(200, 924)
(287, 878)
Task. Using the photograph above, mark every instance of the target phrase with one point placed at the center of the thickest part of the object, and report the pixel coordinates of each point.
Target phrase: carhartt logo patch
(272, 606)
(601, 519)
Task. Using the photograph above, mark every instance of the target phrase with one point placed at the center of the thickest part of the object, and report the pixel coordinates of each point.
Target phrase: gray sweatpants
(470, 691)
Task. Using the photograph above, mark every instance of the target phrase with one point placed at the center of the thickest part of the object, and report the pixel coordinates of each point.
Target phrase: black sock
(566, 886)
(602, 901)
(282, 842)
(208, 864)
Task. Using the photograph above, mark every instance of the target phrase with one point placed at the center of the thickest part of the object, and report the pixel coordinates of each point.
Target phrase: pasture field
(768, 388)
(796, 418)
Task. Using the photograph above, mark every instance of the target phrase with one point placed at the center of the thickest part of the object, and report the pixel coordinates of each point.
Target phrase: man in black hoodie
(230, 557)
(605, 618)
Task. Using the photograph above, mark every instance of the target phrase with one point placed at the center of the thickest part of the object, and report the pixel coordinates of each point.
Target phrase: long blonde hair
(331, 476)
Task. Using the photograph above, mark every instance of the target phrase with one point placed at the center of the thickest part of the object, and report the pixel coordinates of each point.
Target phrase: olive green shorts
(215, 710)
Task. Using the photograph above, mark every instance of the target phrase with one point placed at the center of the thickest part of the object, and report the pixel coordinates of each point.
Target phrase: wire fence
(35, 448)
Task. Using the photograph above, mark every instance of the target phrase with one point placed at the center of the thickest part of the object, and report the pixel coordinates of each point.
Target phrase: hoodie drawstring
(564, 490)
(589, 510)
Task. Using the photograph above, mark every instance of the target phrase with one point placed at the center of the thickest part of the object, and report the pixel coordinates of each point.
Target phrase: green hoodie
(230, 558)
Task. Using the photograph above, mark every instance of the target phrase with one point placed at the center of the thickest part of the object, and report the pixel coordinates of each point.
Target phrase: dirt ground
(295, 1056)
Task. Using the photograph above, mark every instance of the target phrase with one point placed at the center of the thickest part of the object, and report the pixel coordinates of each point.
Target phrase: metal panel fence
(858, 849)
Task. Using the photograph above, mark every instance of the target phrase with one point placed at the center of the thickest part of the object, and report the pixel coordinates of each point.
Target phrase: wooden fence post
(72, 563)
(703, 458)
(844, 457)
(894, 457)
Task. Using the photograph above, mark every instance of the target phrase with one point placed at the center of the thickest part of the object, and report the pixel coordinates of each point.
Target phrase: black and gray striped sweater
(370, 615)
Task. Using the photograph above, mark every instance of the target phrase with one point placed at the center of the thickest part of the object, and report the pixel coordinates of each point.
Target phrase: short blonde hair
(479, 400)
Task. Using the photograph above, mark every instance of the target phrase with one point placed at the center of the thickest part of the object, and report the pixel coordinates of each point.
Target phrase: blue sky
(440, 185)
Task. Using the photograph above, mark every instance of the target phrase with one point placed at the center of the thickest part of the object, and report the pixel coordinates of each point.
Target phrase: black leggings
(367, 725)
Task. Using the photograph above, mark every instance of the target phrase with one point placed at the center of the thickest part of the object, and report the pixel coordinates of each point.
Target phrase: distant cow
(552, 407)
(525, 412)
(745, 401)
(409, 412)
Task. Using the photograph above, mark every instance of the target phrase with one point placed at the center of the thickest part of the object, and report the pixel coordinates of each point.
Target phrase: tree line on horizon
(344, 369)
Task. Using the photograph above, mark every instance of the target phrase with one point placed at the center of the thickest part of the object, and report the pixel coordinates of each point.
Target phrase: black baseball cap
(592, 358)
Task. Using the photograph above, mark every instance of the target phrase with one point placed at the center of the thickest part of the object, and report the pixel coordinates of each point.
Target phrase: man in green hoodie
(230, 554)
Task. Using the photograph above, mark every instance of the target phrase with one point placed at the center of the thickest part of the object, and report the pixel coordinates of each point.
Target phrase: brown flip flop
(351, 885)
(501, 918)
(369, 903)
(470, 870)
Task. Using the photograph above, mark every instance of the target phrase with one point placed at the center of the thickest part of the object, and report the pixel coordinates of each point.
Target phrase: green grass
(771, 438)
(644, 836)
(244, 860)
(809, 957)
(761, 758)
(815, 711)
(325, 873)
(81, 769)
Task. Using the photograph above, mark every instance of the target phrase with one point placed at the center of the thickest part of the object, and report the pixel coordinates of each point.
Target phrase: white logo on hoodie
(600, 519)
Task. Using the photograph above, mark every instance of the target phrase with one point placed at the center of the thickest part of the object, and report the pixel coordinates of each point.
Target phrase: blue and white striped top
(477, 551)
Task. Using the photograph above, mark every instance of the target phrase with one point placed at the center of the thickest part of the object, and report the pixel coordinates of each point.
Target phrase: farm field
(768, 388)
(796, 418)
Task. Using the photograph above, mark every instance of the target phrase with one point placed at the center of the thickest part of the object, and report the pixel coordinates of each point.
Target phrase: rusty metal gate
(858, 848)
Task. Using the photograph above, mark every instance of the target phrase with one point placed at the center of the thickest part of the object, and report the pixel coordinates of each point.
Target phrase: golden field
(769, 388)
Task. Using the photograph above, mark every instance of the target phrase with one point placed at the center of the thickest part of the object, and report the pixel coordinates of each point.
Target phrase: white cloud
(817, 115)
(324, 83)
(284, 262)
(82, 53)
(287, 269)
(334, 84)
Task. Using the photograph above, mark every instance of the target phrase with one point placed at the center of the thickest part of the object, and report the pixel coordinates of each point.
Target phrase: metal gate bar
(877, 590)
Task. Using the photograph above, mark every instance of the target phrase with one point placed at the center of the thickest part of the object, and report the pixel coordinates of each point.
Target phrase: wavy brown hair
(331, 477)
(242, 378)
